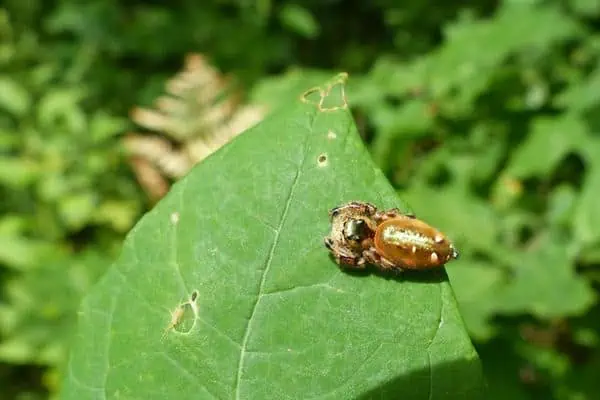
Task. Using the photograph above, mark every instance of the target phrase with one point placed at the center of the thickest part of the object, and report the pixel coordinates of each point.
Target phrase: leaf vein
(435, 333)
(189, 375)
(174, 240)
(268, 263)
(262, 284)
(218, 332)
(430, 397)
(143, 300)
(324, 285)
(113, 307)
(84, 385)
(354, 373)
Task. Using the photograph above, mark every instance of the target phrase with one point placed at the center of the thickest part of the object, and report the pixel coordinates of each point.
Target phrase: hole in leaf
(322, 160)
(335, 98)
(312, 96)
(183, 317)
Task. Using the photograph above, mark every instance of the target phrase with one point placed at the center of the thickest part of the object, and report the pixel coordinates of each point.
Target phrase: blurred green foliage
(483, 114)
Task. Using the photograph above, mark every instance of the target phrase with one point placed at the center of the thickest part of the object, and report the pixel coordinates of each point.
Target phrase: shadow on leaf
(451, 380)
(436, 275)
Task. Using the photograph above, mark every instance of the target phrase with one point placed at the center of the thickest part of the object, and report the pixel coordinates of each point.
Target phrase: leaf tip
(328, 97)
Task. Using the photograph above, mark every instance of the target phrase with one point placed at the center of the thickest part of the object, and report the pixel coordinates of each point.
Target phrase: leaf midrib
(269, 261)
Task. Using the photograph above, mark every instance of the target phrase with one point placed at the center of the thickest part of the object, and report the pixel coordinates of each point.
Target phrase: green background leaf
(276, 317)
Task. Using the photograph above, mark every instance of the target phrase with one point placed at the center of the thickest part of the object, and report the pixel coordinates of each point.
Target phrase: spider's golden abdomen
(412, 244)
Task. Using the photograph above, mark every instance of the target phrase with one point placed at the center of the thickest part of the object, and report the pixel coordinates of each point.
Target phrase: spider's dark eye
(355, 229)
(334, 212)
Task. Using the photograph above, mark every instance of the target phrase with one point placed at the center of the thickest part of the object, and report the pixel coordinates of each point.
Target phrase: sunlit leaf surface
(274, 317)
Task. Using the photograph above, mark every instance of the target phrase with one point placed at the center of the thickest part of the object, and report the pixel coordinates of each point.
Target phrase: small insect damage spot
(183, 317)
(322, 160)
(330, 97)
(312, 96)
(174, 218)
(331, 135)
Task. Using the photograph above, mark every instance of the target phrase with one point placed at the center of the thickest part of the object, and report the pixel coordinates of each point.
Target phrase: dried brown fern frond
(200, 113)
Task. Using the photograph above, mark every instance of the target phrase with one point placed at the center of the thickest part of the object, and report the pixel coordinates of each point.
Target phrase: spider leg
(372, 257)
(384, 215)
(344, 257)
(328, 243)
(351, 262)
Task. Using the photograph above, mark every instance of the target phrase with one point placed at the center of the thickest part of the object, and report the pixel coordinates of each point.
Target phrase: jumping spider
(390, 239)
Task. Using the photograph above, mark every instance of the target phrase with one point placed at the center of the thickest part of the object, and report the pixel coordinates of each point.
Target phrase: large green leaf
(276, 318)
